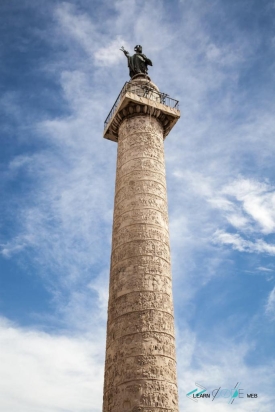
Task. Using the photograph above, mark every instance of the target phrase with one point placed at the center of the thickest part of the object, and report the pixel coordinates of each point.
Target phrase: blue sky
(61, 71)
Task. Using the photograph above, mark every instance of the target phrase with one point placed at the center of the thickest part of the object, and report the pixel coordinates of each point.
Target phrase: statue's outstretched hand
(124, 51)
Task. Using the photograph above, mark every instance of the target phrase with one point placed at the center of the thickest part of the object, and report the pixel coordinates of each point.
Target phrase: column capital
(141, 97)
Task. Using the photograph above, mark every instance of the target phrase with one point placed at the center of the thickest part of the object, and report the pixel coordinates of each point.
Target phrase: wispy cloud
(257, 200)
(244, 205)
(242, 245)
(270, 306)
(78, 26)
(111, 54)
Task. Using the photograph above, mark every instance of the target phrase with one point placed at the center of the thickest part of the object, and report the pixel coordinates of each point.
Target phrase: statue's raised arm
(138, 62)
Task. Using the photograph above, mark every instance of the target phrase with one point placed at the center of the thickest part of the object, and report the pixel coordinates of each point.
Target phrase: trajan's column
(140, 366)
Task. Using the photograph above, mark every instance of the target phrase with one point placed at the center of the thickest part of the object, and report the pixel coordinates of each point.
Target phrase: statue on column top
(138, 62)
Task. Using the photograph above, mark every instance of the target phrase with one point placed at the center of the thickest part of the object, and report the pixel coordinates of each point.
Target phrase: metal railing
(143, 90)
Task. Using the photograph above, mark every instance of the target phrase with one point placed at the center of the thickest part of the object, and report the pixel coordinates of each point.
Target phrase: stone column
(140, 368)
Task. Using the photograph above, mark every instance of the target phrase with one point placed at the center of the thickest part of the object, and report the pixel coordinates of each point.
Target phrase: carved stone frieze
(141, 248)
(147, 216)
(136, 322)
(138, 278)
(147, 343)
(144, 152)
(142, 232)
(140, 367)
(132, 177)
(141, 164)
(141, 201)
(142, 396)
(142, 187)
(139, 301)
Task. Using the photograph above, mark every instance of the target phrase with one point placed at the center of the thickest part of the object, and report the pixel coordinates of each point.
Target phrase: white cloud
(243, 245)
(77, 26)
(111, 54)
(10, 248)
(226, 55)
(41, 372)
(270, 306)
(245, 205)
(257, 200)
(263, 269)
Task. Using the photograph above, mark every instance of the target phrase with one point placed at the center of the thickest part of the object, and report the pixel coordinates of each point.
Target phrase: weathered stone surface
(140, 368)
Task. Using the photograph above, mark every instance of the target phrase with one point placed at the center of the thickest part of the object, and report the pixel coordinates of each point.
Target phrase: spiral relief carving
(140, 368)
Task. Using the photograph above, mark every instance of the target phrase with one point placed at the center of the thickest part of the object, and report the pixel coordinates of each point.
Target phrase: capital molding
(131, 105)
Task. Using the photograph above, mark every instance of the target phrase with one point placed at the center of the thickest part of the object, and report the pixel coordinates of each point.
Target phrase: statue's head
(138, 48)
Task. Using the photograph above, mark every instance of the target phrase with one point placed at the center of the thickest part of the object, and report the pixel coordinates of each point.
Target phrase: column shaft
(140, 368)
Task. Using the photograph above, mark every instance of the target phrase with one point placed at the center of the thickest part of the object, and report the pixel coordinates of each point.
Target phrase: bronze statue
(138, 62)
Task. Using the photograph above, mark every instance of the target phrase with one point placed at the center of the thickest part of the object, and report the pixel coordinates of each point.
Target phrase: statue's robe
(138, 64)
